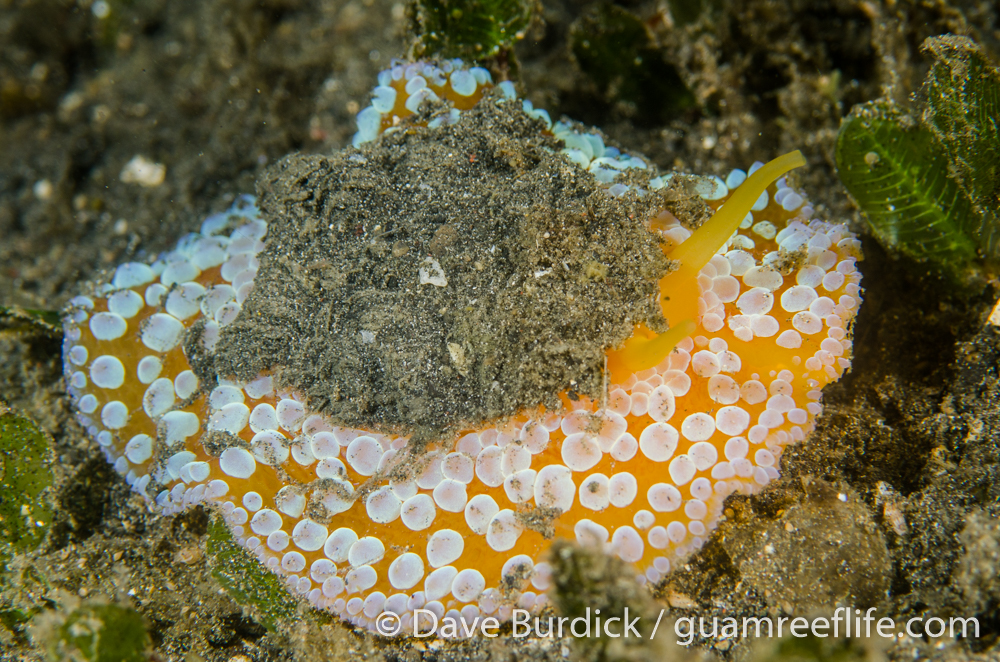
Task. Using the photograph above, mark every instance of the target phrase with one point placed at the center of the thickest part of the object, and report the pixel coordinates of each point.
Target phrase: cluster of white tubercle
(643, 475)
(169, 288)
(407, 86)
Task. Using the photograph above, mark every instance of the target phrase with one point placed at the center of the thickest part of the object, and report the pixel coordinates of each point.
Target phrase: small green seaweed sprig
(91, 631)
(26, 459)
(245, 580)
(928, 178)
(470, 29)
(26, 508)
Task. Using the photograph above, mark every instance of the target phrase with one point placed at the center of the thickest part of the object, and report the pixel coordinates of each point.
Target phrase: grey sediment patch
(216, 441)
(198, 357)
(534, 271)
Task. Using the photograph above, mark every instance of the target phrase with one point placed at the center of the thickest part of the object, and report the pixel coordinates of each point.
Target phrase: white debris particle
(994, 318)
(43, 189)
(458, 357)
(143, 172)
(432, 274)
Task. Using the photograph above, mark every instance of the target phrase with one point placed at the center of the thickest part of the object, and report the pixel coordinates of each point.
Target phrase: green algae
(104, 633)
(14, 618)
(93, 632)
(616, 52)
(23, 586)
(927, 178)
(896, 171)
(25, 508)
(25, 482)
(470, 29)
(245, 580)
(963, 112)
(686, 12)
(19, 319)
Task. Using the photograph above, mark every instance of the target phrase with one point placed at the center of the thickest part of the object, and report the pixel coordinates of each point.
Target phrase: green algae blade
(963, 112)
(469, 29)
(897, 172)
(99, 633)
(25, 482)
(18, 319)
(245, 580)
(928, 179)
(13, 618)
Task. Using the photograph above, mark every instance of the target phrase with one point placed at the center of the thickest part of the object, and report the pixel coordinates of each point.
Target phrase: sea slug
(759, 304)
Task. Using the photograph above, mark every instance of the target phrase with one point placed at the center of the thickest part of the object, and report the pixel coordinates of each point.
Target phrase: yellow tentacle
(679, 291)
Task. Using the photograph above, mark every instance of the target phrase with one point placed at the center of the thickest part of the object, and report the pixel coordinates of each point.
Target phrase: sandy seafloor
(217, 91)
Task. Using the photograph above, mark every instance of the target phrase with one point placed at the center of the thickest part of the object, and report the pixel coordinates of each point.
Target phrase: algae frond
(926, 177)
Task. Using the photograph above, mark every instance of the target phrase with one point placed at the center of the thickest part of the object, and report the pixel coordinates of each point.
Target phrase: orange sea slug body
(644, 473)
